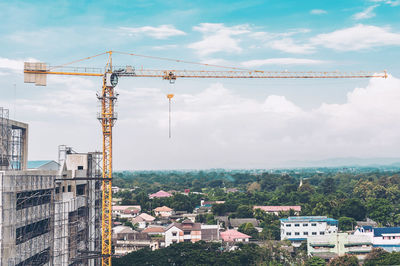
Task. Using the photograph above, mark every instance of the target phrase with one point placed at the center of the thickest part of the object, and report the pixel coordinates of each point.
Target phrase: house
(190, 216)
(234, 236)
(163, 211)
(139, 221)
(126, 211)
(126, 240)
(277, 209)
(154, 230)
(143, 220)
(368, 222)
(387, 238)
(115, 189)
(236, 222)
(223, 221)
(160, 194)
(298, 228)
(210, 232)
(187, 231)
(148, 218)
(339, 244)
(205, 206)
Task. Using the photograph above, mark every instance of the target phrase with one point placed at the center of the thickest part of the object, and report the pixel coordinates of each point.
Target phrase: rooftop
(386, 230)
(163, 209)
(278, 208)
(231, 235)
(125, 207)
(160, 194)
(154, 230)
(38, 164)
(309, 219)
(147, 217)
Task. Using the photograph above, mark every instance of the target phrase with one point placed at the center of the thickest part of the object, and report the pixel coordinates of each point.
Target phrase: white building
(387, 238)
(299, 228)
(339, 244)
(187, 231)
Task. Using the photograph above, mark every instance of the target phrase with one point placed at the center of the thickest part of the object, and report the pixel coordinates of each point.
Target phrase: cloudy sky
(215, 123)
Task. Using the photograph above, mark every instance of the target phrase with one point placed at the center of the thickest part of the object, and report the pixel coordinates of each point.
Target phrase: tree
(244, 211)
(271, 231)
(315, 261)
(218, 209)
(378, 256)
(380, 210)
(328, 185)
(248, 229)
(346, 223)
(352, 208)
(254, 187)
(345, 260)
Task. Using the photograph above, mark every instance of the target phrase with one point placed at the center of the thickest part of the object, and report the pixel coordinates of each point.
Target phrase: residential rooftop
(330, 221)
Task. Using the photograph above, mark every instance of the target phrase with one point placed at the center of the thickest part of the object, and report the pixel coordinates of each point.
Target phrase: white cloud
(367, 13)
(13, 65)
(357, 37)
(219, 128)
(282, 61)
(160, 32)
(289, 46)
(218, 38)
(388, 2)
(165, 47)
(318, 12)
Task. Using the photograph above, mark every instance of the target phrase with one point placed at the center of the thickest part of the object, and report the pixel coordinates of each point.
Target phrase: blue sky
(224, 123)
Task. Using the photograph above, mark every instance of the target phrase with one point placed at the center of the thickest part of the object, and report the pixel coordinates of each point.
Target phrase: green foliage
(357, 195)
(244, 211)
(345, 260)
(248, 229)
(380, 257)
(346, 223)
(191, 254)
(315, 261)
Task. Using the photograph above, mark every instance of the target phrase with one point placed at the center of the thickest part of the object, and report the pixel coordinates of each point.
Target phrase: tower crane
(37, 73)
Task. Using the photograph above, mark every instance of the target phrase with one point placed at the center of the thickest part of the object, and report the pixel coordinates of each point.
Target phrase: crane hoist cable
(169, 96)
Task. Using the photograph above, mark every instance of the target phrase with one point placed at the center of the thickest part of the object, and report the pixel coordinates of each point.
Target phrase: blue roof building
(387, 238)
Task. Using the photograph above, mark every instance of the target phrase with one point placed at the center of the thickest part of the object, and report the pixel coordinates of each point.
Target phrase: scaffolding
(5, 131)
(77, 223)
(27, 215)
(12, 142)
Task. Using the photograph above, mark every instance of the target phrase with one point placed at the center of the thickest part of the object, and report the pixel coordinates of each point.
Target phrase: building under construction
(47, 217)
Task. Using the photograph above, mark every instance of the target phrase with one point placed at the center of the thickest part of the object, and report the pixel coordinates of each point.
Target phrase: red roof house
(160, 194)
(234, 236)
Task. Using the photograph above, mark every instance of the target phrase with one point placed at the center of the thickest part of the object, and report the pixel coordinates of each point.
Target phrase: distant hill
(346, 162)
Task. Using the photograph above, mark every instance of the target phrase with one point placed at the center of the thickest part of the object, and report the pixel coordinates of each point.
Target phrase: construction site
(49, 215)
(60, 213)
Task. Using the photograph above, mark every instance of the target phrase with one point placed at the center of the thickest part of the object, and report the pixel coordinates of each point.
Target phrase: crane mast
(37, 72)
(107, 119)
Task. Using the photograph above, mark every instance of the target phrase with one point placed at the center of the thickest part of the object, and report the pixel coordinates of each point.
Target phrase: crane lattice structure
(37, 73)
